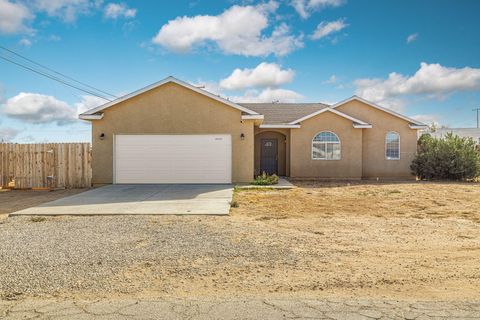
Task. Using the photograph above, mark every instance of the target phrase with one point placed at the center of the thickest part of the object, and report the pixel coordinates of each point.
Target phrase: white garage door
(173, 159)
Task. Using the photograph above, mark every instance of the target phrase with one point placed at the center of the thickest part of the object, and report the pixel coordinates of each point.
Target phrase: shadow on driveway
(141, 199)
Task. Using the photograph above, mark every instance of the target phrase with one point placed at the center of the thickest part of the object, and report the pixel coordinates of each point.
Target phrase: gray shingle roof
(283, 113)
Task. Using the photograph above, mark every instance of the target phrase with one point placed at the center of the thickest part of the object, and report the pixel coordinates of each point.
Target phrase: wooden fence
(45, 165)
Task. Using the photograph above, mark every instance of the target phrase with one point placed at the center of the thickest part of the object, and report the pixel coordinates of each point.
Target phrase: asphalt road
(237, 309)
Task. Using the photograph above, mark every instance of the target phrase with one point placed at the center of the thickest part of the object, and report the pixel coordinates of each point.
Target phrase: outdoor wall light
(102, 136)
(242, 136)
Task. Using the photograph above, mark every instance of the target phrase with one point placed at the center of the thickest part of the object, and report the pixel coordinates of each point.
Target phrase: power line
(56, 72)
(54, 78)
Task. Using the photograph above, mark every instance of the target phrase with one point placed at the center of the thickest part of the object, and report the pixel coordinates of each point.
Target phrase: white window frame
(399, 145)
(326, 142)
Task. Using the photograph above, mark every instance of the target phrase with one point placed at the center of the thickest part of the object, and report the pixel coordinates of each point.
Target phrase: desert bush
(38, 219)
(448, 158)
(265, 179)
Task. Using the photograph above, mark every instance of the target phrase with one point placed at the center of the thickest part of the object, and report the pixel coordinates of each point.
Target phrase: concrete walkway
(141, 199)
(237, 309)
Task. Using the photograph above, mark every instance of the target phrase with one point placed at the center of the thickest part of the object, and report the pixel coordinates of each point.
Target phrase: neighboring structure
(173, 132)
(473, 133)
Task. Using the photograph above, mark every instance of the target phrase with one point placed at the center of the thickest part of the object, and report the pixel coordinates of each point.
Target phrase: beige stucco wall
(375, 163)
(282, 136)
(172, 109)
(302, 164)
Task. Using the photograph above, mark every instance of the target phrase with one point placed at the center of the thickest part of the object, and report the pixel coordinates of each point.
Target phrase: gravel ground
(373, 241)
(123, 254)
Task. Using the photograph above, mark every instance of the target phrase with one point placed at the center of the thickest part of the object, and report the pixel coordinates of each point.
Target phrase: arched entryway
(270, 153)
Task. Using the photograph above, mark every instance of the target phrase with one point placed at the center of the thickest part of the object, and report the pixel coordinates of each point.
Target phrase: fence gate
(45, 165)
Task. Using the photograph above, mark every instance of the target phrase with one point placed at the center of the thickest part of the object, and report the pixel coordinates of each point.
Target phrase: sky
(417, 57)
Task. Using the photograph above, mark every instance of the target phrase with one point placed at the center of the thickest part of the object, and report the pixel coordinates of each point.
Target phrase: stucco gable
(97, 113)
(414, 124)
(357, 123)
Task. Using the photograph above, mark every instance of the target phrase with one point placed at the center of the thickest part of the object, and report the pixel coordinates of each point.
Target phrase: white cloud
(396, 104)
(210, 86)
(88, 102)
(39, 108)
(426, 118)
(14, 17)
(269, 95)
(7, 134)
(262, 83)
(68, 10)
(253, 95)
(238, 30)
(305, 7)
(331, 80)
(25, 42)
(27, 139)
(326, 28)
(54, 38)
(433, 80)
(412, 37)
(263, 75)
(119, 10)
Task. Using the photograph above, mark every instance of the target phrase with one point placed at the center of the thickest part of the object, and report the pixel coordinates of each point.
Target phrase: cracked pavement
(237, 309)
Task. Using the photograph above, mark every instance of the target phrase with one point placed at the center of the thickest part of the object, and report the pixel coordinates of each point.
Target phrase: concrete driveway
(141, 199)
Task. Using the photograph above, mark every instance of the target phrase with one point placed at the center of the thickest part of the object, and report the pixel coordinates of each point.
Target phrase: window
(326, 146)
(392, 146)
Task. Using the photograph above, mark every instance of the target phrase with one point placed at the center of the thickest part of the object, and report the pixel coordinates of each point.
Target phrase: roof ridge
(292, 103)
(161, 83)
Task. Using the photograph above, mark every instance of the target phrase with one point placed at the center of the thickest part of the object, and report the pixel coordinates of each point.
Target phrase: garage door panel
(173, 159)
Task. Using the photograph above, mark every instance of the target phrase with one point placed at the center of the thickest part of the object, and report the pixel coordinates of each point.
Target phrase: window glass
(326, 146)
(392, 146)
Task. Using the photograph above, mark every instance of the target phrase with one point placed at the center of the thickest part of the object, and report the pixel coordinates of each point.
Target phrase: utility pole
(478, 119)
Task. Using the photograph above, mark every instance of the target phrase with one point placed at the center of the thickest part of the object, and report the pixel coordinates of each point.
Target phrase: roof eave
(279, 126)
(252, 117)
(416, 126)
(362, 126)
(84, 116)
(341, 114)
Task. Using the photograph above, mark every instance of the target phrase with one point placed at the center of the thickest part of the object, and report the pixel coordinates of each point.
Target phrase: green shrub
(449, 158)
(38, 219)
(265, 179)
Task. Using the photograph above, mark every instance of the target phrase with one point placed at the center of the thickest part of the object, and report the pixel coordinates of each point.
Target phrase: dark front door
(269, 156)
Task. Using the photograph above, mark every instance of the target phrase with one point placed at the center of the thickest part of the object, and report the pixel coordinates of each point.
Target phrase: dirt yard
(393, 241)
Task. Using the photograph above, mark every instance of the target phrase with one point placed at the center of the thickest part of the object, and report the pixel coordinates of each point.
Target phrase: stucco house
(174, 132)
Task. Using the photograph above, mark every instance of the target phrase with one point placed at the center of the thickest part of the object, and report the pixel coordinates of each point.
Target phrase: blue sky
(421, 58)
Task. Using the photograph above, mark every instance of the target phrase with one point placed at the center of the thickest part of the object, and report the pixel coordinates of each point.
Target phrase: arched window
(326, 146)
(392, 146)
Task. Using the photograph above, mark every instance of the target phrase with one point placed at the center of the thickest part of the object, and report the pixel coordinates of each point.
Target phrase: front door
(269, 156)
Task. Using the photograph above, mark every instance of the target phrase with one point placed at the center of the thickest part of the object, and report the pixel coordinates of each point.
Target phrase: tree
(448, 158)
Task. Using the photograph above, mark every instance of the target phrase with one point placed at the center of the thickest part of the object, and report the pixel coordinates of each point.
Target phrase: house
(473, 133)
(174, 132)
